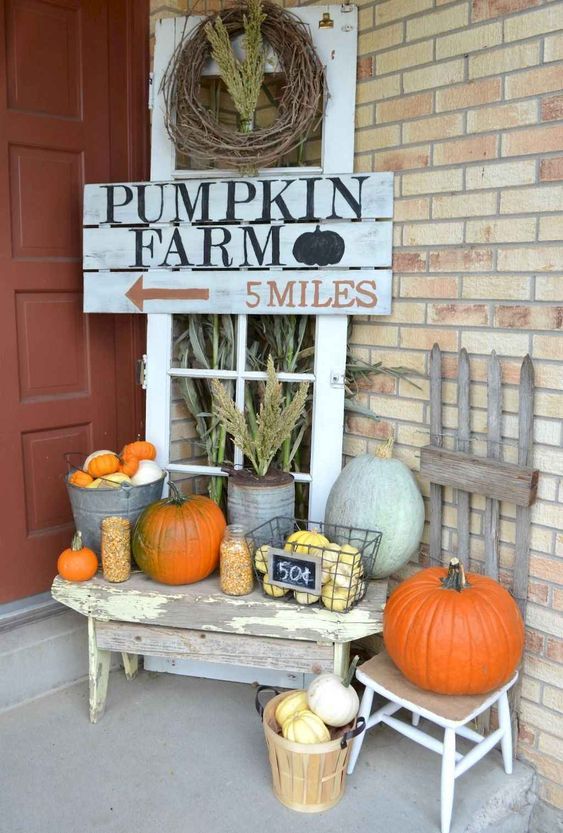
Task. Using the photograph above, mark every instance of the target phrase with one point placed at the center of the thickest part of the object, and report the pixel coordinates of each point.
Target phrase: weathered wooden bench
(198, 621)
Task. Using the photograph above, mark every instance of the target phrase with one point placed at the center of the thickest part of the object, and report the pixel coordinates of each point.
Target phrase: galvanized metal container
(255, 500)
(91, 506)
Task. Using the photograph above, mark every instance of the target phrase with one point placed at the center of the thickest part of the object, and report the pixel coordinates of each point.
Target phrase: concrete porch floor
(182, 755)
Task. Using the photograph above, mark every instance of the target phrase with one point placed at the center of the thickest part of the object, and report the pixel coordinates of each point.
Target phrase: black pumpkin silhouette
(319, 248)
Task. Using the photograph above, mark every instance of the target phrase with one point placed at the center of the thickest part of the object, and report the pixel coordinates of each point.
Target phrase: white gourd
(380, 493)
(333, 699)
(305, 598)
(294, 702)
(261, 558)
(148, 472)
(305, 727)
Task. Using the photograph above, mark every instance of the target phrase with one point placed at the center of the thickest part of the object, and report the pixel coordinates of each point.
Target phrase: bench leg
(130, 665)
(98, 662)
(341, 658)
(506, 726)
(448, 780)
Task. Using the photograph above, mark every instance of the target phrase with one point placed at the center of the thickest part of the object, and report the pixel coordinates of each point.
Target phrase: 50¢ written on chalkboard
(294, 571)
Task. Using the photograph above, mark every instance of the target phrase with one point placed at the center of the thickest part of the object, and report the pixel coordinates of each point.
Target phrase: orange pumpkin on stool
(451, 634)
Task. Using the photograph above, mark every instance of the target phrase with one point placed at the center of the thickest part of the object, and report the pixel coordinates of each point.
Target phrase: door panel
(67, 379)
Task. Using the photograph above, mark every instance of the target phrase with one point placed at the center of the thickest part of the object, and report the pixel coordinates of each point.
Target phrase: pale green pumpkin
(380, 493)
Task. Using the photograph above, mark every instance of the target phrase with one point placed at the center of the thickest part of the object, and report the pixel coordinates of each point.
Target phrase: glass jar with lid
(236, 572)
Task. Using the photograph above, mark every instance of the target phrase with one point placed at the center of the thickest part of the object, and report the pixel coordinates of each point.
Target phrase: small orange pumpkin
(452, 635)
(77, 563)
(128, 465)
(80, 478)
(141, 449)
(103, 464)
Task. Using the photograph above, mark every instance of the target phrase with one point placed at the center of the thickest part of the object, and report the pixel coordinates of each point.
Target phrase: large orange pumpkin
(176, 540)
(453, 635)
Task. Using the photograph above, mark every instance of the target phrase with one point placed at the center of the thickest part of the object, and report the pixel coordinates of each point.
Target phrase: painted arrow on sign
(137, 294)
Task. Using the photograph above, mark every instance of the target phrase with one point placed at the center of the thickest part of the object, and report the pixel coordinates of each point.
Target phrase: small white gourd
(148, 472)
(294, 702)
(305, 598)
(305, 727)
(261, 558)
(333, 699)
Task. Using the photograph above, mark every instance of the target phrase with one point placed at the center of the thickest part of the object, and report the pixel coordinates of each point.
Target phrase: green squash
(380, 493)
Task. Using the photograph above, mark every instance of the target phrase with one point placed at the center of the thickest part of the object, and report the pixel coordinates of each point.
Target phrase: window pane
(204, 341)
(190, 484)
(295, 452)
(289, 339)
(214, 97)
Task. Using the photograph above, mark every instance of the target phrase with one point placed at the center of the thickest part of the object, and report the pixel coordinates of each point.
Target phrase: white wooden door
(337, 49)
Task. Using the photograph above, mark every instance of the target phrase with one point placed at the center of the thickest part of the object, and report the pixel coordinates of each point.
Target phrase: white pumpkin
(379, 493)
(148, 472)
(334, 700)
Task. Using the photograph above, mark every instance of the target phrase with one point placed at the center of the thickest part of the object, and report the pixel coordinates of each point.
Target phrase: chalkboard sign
(295, 571)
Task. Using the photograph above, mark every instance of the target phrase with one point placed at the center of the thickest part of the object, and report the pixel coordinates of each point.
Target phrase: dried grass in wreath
(194, 129)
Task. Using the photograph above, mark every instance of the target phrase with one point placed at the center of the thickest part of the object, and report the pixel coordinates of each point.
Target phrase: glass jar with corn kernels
(236, 573)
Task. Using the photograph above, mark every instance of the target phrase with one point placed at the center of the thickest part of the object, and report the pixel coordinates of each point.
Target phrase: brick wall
(463, 100)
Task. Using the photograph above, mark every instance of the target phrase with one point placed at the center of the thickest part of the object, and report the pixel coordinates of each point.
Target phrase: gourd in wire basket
(344, 566)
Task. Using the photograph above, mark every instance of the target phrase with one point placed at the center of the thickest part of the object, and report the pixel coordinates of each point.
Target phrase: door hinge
(142, 372)
(151, 90)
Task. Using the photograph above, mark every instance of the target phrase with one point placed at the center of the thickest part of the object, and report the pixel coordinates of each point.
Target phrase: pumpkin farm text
(291, 244)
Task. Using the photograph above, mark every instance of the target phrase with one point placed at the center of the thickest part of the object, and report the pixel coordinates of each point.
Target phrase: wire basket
(347, 560)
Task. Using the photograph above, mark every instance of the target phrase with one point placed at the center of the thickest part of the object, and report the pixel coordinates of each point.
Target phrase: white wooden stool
(451, 712)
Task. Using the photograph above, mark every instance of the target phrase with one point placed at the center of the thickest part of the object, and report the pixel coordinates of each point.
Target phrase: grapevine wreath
(194, 128)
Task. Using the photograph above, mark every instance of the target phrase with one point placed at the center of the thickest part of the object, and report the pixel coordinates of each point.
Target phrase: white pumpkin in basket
(333, 699)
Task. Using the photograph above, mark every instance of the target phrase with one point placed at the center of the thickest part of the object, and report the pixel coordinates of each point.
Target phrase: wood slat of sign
(492, 506)
(264, 199)
(336, 244)
(492, 478)
(435, 544)
(366, 291)
(463, 431)
(230, 648)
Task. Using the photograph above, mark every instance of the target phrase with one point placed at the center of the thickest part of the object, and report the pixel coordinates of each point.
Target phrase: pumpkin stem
(351, 671)
(385, 450)
(76, 541)
(176, 495)
(455, 580)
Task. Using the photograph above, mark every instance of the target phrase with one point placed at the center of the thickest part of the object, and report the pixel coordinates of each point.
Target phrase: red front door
(72, 112)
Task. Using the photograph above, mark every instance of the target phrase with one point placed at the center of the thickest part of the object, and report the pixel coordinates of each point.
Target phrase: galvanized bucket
(91, 506)
(253, 501)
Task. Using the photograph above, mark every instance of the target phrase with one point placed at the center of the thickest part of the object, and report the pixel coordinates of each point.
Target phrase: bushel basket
(306, 777)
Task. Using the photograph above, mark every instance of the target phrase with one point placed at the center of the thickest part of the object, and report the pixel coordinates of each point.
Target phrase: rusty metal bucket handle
(257, 703)
(353, 733)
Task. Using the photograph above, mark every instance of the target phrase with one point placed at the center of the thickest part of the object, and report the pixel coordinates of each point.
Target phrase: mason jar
(236, 572)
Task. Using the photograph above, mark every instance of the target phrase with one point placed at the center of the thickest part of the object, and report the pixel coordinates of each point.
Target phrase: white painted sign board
(317, 244)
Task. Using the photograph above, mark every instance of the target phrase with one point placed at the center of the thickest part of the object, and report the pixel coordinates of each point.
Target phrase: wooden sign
(296, 572)
(310, 244)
